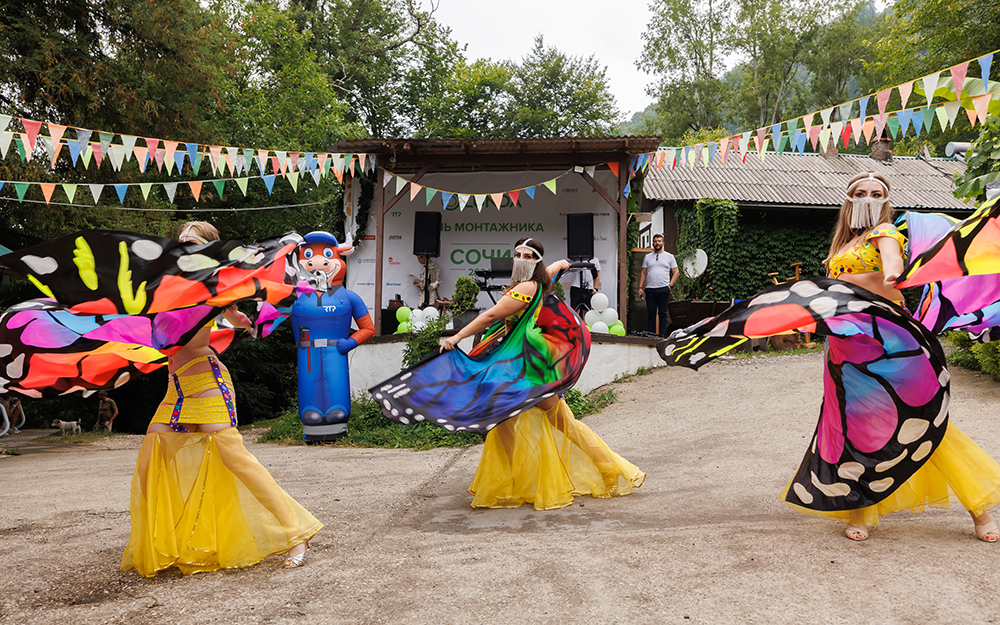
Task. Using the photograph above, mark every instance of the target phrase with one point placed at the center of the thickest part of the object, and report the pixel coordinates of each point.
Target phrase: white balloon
(416, 315)
(430, 314)
(417, 324)
(591, 317)
(599, 328)
(599, 302)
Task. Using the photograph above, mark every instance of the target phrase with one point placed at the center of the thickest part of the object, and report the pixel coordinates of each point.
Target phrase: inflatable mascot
(322, 325)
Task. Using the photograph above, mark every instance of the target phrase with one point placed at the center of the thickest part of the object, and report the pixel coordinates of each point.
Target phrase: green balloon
(402, 314)
(618, 323)
(617, 330)
(403, 328)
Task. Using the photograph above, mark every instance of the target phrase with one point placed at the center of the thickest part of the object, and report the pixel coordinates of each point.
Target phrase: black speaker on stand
(427, 243)
(580, 236)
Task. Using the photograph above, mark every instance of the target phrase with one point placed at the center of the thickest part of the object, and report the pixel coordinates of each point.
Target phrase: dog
(67, 427)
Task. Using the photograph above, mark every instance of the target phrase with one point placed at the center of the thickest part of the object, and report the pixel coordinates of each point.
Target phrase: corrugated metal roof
(807, 180)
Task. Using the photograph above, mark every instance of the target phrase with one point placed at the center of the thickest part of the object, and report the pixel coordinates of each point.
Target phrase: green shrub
(988, 357)
(423, 343)
(464, 298)
(583, 405)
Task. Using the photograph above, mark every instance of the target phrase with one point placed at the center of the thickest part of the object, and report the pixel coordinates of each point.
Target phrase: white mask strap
(188, 235)
(871, 178)
(525, 246)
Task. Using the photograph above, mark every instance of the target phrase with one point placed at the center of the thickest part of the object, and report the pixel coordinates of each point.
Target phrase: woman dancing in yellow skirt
(543, 455)
(200, 500)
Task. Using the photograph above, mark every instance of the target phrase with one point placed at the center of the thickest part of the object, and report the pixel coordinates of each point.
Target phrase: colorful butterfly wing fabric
(885, 384)
(121, 302)
(543, 355)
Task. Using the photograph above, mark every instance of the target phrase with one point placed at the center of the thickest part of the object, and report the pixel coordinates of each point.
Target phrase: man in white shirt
(659, 273)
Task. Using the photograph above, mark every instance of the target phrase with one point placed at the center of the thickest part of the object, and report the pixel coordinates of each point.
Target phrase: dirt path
(705, 540)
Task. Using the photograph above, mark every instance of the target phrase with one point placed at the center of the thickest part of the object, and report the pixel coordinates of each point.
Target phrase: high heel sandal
(988, 532)
(294, 562)
(857, 532)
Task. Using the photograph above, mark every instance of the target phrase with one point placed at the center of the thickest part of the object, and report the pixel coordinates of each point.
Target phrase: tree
(983, 162)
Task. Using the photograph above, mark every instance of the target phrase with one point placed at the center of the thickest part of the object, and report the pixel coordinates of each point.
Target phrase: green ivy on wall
(744, 246)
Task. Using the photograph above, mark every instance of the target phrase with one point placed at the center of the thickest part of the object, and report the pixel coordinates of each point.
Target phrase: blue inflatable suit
(322, 325)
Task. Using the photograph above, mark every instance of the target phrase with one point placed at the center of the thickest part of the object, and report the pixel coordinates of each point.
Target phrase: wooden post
(379, 221)
(623, 253)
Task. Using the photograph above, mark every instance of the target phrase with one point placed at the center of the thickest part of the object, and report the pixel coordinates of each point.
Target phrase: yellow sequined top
(521, 297)
(864, 256)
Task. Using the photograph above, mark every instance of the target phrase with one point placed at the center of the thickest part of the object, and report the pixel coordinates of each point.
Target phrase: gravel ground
(705, 540)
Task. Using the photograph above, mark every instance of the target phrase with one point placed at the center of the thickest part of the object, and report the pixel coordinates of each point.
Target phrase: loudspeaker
(427, 234)
(580, 236)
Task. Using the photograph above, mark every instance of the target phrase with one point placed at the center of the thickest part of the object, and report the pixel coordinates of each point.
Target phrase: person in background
(430, 273)
(107, 411)
(588, 284)
(659, 274)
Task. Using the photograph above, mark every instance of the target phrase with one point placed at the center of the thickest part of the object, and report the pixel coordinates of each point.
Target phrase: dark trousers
(656, 304)
(579, 298)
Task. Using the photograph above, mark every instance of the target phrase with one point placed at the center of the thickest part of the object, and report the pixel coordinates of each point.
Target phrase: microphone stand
(427, 277)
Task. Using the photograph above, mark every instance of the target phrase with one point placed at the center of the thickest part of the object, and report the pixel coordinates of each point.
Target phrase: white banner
(470, 238)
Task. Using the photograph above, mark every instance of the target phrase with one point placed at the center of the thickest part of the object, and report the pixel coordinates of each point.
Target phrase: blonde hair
(201, 228)
(842, 232)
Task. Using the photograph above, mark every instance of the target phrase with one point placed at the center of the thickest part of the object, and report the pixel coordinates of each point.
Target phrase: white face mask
(523, 270)
(866, 211)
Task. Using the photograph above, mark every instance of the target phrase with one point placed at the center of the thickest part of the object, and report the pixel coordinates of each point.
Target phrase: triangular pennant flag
(121, 190)
(824, 139)
(83, 136)
(807, 123)
(158, 159)
(262, 161)
(74, 150)
(169, 151)
(151, 145)
(145, 186)
(324, 163)
(904, 120)
(317, 174)
(918, 121)
(47, 189)
(20, 140)
(697, 155)
(530, 191)
(550, 185)
(86, 154)
(904, 93)
(930, 86)
(248, 159)
(429, 195)
(386, 178)
(141, 157)
(21, 188)
(214, 152)
(445, 198)
(127, 141)
(463, 199)
(195, 189)
(69, 190)
(981, 104)
(893, 125)
(863, 107)
(825, 115)
(480, 200)
(281, 157)
(178, 160)
(814, 137)
(497, 199)
(858, 126)
(958, 78)
(745, 144)
(724, 146)
(687, 152)
(193, 154)
(117, 156)
(196, 163)
(942, 116)
(971, 112)
(7, 137)
(171, 189)
(220, 165)
(293, 179)
(762, 150)
(928, 114)
(792, 125)
(775, 133)
(31, 129)
(49, 148)
(414, 190)
(782, 141)
(230, 159)
(242, 184)
(868, 130)
(4, 122)
(56, 133)
(294, 158)
(760, 138)
(713, 147)
(98, 153)
(220, 186)
(400, 183)
(882, 97)
(589, 170)
(951, 108)
(984, 66)
(339, 172)
(614, 168)
(800, 140)
(627, 189)
(514, 195)
(880, 121)
(845, 134)
(361, 158)
(105, 138)
(268, 182)
(845, 111)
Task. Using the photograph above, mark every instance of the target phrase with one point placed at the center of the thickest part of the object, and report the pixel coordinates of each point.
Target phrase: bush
(466, 294)
(424, 343)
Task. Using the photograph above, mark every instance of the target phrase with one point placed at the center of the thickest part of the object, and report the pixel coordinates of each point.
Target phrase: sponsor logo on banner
(395, 237)
(393, 284)
(368, 237)
(393, 262)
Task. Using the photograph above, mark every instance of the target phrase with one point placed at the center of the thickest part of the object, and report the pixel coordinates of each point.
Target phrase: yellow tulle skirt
(958, 471)
(202, 502)
(545, 458)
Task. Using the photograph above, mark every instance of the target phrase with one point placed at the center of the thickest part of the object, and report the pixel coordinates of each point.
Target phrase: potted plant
(463, 302)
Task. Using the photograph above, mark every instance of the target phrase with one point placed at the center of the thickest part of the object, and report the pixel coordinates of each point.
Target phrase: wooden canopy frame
(418, 157)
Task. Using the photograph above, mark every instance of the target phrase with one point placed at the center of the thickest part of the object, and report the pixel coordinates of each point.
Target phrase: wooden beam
(600, 190)
(623, 252)
(379, 223)
(396, 198)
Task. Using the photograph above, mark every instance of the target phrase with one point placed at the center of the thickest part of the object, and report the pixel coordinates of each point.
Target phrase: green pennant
(20, 147)
(220, 186)
(781, 144)
(21, 188)
(145, 186)
(928, 114)
(196, 165)
(87, 154)
(293, 179)
(70, 190)
(893, 126)
(550, 185)
(942, 116)
(242, 184)
(430, 194)
(169, 162)
(792, 125)
(327, 164)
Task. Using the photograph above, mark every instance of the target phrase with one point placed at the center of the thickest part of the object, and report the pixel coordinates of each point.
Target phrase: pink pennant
(807, 121)
(32, 128)
(958, 78)
(760, 138)
(724, 148)
(880, 121)
(56, 132)
(497, 199)
(361, 158)
(214, 152)
(24, 141)
(516, 194)
(321, 160)
(982, 104)
(140, 156)
(169, 147)
(151, 145)
(195, 188)
(158, 159)
(414, 189)
(660, 155)
(857, 125)
(262, 161)
(275, 166)
(295, 159)
(47, 189)
(814, 136)
(98, 154)
(883, 99)
(904, 93)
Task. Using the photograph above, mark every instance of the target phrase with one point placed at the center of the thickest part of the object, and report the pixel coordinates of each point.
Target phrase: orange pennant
(47, 189)
(414, 189)
(982, 105)
(195, 189)
(497, 199)
(614, 168)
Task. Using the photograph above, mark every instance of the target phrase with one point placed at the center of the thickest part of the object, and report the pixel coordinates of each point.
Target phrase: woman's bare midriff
(874, 282)
(196, 348)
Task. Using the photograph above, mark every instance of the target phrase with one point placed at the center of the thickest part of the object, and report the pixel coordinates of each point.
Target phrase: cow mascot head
(321, 256)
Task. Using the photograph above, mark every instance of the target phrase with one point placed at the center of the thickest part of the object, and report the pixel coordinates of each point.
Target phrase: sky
(611, 31)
